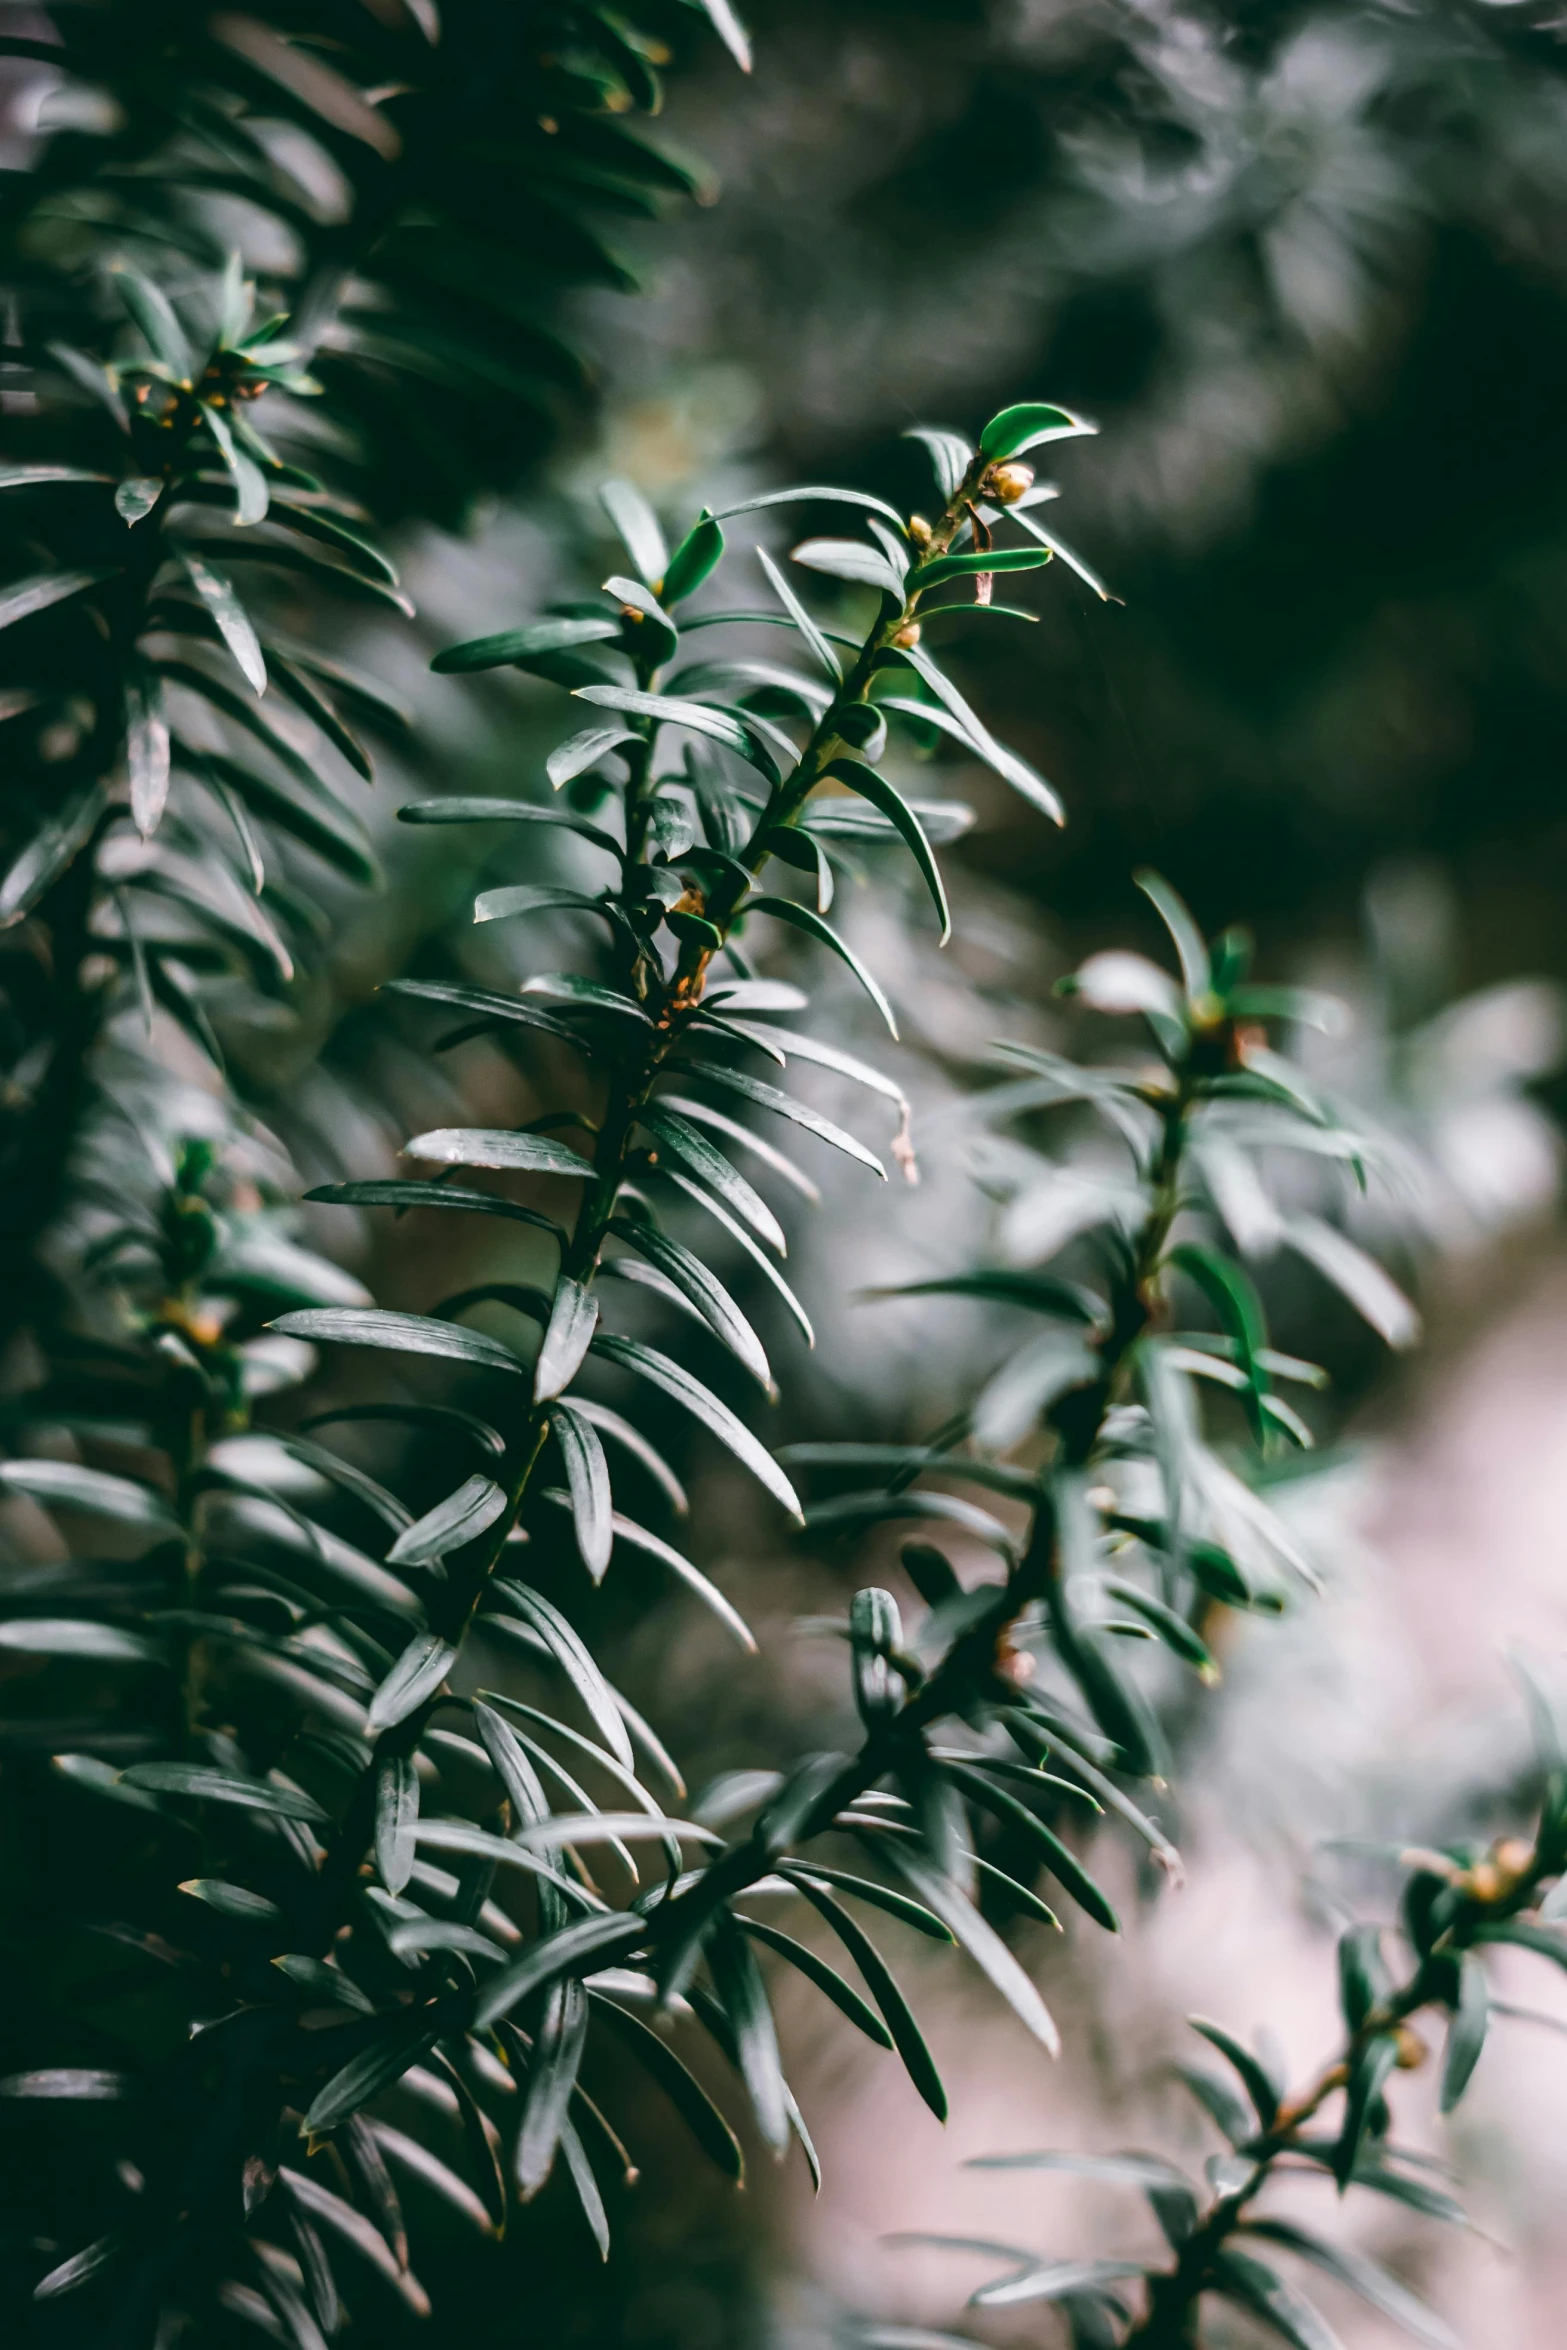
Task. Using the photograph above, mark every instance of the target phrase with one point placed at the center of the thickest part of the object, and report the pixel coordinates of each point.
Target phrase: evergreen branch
(669, 1004)
(1456, 1905)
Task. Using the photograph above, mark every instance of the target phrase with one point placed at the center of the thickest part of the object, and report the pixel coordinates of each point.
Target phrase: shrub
(287, 1862)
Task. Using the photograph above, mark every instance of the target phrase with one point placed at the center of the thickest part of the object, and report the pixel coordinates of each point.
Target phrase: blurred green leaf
(75, 1636)
(801, 918)
(570, 1653)
(488, 1146)
(698, 555)
(679, 2084)
(200, 1783)
(587, 1475)
(631, 1355)
(738, 1983)
(574, 1315)
(396, 1817)
(1368, 2071)
(989, 1953)
(1466, 2032)
(398, 2043)
(940, 568)
(1366, 2277)
(1263, 2292)
(638, 527)
(1024, 426)
(64, 1484)
(401, 1333)
(904, 2033)
(462, 1517)
(514, 646)
(676, 1134)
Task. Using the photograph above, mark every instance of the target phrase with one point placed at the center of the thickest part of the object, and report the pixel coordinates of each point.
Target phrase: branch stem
(669, 1002)
(1171, 2318)
(976, 1654)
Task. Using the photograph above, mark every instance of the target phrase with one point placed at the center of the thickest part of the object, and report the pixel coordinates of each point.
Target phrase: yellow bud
(920, 531)
(1412, 2050)
(908, 635)
(1007, 483)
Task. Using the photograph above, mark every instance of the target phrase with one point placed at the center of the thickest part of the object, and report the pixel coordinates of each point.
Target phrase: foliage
(417, 195)
(420, 186)
(337, 1854)
(275, 1810)
(1456, 1904)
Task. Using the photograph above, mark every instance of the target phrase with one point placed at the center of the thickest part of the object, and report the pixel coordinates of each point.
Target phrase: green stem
(667, 1003)
(972, 1659)
(1170, 2320)
(786, 803)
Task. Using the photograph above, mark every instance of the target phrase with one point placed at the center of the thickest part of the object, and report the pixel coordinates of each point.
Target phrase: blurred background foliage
(1303, 265)
(1306, 266)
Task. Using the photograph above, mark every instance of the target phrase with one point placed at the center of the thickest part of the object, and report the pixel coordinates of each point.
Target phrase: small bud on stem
(1008, 483)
